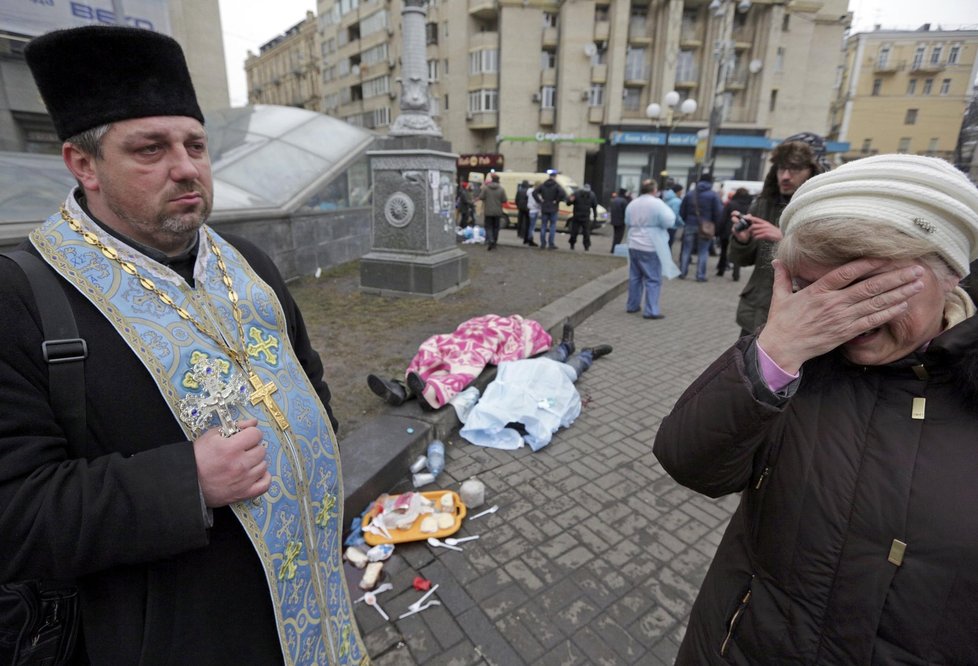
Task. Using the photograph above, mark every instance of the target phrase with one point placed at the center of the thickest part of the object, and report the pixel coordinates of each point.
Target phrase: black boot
(598, 351)
(416, 386)
(567, 337)
(392, 391)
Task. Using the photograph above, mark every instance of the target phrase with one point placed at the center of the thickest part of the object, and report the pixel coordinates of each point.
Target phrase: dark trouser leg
(586, 229)
(722, 262)
(617, 234)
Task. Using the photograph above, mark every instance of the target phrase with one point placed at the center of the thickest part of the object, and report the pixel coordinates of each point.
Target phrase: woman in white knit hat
(850, 425)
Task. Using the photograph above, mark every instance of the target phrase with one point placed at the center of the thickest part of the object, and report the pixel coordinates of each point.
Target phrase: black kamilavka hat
(100, 74)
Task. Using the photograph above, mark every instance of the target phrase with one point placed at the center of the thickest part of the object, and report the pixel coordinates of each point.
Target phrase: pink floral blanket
(449, 362)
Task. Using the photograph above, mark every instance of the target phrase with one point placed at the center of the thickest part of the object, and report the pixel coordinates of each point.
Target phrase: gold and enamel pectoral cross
(263, 394)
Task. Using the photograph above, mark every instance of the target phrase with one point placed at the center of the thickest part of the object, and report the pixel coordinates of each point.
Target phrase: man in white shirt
(648, 219)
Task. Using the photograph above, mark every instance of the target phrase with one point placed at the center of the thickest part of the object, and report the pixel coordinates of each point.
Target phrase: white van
(510, 181)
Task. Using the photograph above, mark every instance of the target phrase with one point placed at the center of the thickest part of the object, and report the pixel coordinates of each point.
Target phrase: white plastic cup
(473, 493)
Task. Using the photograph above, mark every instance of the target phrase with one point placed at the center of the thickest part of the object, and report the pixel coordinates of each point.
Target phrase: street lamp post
(725, 55)
(667, 112)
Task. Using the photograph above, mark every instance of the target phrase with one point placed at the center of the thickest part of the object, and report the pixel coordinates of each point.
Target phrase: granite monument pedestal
(414, 250)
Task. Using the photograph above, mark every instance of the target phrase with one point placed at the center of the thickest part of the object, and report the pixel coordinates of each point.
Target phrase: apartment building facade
(287, 69)
(24, 123)
(905, 91)
(535, 84)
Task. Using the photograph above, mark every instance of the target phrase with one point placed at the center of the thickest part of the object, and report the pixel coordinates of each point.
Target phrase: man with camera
(793, 161)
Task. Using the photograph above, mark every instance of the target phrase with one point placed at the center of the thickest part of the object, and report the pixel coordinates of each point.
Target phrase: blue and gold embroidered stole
(295, 527)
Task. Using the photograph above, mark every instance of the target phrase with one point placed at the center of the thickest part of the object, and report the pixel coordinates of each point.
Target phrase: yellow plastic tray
(415, 533)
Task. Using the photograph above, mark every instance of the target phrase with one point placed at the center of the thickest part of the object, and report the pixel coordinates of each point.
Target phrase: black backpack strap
(63, 350)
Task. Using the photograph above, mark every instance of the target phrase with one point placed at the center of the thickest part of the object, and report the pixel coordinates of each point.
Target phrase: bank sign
(35, 17)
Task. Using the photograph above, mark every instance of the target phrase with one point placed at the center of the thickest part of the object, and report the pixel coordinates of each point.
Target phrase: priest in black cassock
(199, 511)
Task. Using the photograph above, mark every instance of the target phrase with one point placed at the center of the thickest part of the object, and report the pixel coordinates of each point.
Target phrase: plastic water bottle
(436, 457)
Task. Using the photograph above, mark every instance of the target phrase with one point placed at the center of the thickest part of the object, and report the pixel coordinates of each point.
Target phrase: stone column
(414, 249)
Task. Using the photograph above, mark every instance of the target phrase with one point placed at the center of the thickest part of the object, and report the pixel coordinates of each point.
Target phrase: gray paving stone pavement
(595, 555)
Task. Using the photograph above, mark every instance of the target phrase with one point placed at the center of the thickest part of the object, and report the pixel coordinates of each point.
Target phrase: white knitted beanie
(924, 197)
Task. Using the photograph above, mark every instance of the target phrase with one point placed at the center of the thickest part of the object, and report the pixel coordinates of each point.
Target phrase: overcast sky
(248, 24)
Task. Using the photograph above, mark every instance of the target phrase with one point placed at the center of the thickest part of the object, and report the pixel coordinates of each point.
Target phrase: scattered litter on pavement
(434, 462)
(413, 516)
(380, 552)
(356, 557)
(493, 509)
(473, 493)
(420, 604)
(370, 575)
(421, 584)
(370, 598)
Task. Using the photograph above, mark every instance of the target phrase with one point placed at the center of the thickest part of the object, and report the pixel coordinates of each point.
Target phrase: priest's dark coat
(121, 512)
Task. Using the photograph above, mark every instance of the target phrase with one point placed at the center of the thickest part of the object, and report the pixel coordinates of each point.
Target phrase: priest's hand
(231, 469)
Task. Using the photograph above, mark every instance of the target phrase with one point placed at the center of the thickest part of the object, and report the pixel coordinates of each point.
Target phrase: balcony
(889, 67)
(550, 38)
(601, 31)
(599, 73)
(483, 40)
(483, 10)
(483, 80)
(476, 120)
(927, 68)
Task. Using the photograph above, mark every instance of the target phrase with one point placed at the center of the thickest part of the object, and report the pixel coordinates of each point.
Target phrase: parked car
(510, 181)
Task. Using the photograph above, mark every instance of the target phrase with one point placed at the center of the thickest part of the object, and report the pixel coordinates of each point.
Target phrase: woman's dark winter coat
(808, 571)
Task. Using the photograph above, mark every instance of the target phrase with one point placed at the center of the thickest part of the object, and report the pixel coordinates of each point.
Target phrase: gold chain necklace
(262, 391)
(147, 284)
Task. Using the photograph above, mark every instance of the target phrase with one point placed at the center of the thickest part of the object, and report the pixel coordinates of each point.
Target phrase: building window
(374, 55)
(883, 57)
(445, 69)
(918, 57)
(549, 20)
(434, 105)
(928, 86)
(446, 101)
(548, 59)
(600, 13)
(484, 61)
(877, 84)
(932, 145)
(686, 66)
(483, 100)
(635, 65)
(904, 145)
(867, 146)
(548, 95)
(935, 54)
(952, 55)
(373, 23)
(636, 22)
(631, 99)
(432, 71)
(773, 102)
(378, 86)
(912, 86)
(945, 86)
(595, 96)
(600, 56)
(785, 22)
(779, 60)
(431, 33)
(911, 117)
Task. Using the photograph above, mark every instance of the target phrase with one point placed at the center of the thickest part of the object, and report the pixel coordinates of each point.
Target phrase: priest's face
(153, 182)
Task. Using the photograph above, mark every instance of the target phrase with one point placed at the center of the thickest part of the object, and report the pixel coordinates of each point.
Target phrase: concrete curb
(377, 455)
